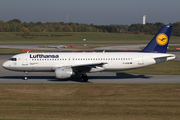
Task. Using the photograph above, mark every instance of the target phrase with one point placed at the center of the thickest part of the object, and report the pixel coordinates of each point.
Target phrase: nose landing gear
(26, 75)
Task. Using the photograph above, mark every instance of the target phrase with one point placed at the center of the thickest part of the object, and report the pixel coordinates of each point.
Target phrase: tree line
(154, 28)
(16, 25)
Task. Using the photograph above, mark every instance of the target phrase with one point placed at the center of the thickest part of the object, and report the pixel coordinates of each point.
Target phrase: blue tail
(160, 41)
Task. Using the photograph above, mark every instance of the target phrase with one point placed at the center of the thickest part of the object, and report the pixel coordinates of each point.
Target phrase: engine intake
(64, 72)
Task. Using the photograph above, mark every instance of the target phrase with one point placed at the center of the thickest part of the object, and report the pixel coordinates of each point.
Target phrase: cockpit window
(13, 59)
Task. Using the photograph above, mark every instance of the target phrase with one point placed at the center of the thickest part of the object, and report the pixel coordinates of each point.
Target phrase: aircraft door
(140, 60)
(25, 59)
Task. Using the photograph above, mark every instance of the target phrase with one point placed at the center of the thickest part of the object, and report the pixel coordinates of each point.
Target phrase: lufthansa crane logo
(162, 39)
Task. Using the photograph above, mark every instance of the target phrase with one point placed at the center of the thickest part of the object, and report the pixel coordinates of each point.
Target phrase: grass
(77, 37)
(90, 101)
(166, 68)
(9, 50)
(173, 47)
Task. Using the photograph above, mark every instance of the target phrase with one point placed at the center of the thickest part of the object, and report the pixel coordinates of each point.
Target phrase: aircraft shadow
(118, 76)
(78, 78)
(29, 77)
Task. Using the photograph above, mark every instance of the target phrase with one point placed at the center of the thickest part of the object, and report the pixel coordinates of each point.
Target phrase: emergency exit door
(25, 60)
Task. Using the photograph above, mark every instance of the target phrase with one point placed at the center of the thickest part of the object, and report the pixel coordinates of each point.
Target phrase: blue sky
(98, 12)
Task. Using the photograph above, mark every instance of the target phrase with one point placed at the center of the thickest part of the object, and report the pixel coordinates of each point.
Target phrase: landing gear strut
(84, 78)
(25, 76)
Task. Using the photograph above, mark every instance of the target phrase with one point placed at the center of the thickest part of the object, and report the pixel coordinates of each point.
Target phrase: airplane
(65, 65)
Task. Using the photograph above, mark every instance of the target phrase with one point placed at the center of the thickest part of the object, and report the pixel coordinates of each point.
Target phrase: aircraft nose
(5, 65)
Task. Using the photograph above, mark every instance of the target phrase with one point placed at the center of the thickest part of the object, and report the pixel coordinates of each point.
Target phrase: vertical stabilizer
(160, 41)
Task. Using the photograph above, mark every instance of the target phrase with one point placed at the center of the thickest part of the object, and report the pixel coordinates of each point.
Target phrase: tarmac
(56, 47)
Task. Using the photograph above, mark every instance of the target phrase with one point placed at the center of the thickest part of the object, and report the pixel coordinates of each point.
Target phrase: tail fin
(160, 41)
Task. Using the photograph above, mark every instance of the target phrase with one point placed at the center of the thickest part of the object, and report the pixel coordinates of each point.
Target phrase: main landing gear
(84, 78)
(26, 75)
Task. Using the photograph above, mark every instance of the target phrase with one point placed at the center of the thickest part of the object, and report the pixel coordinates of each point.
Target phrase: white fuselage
(44, 62)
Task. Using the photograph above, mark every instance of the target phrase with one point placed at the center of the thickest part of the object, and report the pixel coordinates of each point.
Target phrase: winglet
(160, 41)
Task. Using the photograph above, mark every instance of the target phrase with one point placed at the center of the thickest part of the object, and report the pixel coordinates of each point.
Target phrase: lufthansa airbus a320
(64, 65)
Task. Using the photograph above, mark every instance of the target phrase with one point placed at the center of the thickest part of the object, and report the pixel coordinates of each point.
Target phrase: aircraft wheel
(26, 78)
(84, 78)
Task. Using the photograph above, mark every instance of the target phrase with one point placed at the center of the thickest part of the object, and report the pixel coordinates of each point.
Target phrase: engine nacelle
(62, 73)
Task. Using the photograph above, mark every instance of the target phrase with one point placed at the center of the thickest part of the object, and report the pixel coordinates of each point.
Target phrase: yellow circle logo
(162, 39)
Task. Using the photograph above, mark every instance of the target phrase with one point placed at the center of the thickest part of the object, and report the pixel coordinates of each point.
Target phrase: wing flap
(89, 65)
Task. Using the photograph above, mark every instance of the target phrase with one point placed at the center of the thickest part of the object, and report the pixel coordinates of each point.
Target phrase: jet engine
(64, 72)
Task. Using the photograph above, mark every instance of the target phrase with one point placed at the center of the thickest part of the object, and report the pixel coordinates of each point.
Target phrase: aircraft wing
(87, 67)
